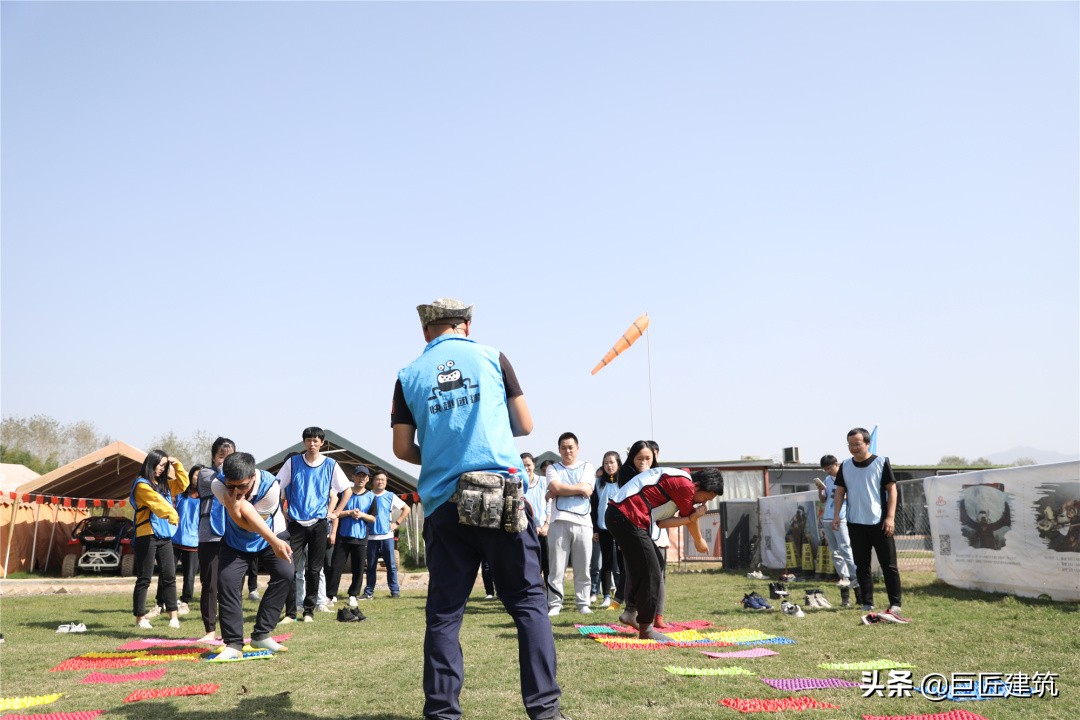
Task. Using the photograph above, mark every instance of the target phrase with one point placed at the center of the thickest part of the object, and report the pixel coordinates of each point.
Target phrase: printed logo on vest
(451, 389)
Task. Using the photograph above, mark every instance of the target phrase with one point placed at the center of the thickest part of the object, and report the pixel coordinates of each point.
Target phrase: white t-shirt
(572, 475)
(271, 501)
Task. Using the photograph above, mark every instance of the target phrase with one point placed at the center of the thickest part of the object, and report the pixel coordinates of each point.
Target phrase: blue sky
(222, 216)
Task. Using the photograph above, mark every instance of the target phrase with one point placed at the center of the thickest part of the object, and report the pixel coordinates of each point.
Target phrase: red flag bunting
(97, 503)
(81, 504)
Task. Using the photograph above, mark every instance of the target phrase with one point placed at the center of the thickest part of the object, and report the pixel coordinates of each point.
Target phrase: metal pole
(52, 536)
(33, 547)
(648, 345)
(11, 533)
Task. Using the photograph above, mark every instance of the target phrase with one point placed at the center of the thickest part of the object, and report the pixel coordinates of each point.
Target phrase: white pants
(299, 564)
(567, 541)
(840, 547)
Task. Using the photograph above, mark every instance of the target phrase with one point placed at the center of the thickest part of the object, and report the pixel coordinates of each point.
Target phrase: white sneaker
(811, 600)
(585, 610)
(144, 624)
(554, 611)
(489, 596)
(606, 603)
(323, 608)
(153, 612)
(756, 575)
(308, 618)
(822, 601)
(183, 609)
(286, 620)
(353, 602)
(174, 623)
(268, 643)
(592, 600)
(254, 595)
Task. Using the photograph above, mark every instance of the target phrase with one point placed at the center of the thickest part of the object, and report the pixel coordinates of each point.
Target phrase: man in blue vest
(380, 539)
(457, 409)
(254, 533)
(311, 483)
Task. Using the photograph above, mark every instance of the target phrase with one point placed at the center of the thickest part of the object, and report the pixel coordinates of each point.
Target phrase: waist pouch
(490, 500)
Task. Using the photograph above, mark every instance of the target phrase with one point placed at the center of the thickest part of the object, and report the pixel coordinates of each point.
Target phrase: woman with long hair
(610, 569)
(160, 478)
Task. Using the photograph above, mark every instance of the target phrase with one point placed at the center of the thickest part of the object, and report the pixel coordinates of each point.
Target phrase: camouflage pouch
(479, 498)
(514, 519)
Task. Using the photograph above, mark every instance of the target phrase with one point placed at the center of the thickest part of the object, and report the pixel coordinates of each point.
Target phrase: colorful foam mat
(756, 705)
(155, 652)
(629, 644)
(100, 677)
(951, 715)
(799, 684)
(148, 643)
(865, 665)
(752, 653)
(971, 694)
(747, 636)
(701, 672)
(81, 663)
(205, 689)
(18, 703)
(251, 655)
(79, 715)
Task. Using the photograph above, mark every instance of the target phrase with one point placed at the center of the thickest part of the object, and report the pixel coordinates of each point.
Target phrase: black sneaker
(357, 614)
(345, 615)
(777, 591)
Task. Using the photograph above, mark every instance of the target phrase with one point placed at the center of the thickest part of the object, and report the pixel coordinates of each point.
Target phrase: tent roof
(349, 455)
(12, 475)
(106, 473)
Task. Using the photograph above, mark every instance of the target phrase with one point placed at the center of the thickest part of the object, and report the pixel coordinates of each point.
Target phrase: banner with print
(1015, 530)
(790, 531)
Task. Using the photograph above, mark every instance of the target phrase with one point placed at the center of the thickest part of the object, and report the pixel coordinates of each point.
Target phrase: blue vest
(380, 507)
(604, 491)
(212, 509)
(352, 527)
(863, 491)
(161, 526)
(246, 540)
(573, 504)
(830, 500)
(187, 530)
(456, 394)
(309, 488)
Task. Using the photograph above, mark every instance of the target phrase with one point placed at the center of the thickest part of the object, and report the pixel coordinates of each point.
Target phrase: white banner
(788, 523)
(1013, 531)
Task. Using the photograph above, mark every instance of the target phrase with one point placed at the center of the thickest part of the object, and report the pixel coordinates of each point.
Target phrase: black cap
(362, 470)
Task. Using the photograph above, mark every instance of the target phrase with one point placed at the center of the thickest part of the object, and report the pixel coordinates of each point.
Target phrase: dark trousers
(542, 553)
(233, 567)
(189, 563)
(148, 549)
(606, 561)
(253, 579)
(314, 539)
(353, 551)
(208, 579)
(863, 538)
(454, 552)
(642, 569)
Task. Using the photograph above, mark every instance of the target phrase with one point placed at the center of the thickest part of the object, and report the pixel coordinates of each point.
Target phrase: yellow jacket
(149, 500)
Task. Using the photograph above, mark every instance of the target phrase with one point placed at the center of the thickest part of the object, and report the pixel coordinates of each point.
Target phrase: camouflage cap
(444, 309)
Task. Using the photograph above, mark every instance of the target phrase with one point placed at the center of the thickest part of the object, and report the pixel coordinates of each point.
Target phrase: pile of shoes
(71, 627)
(793, 610)
(753, 601)
(816, 599)
(350, 614)
(756, 575)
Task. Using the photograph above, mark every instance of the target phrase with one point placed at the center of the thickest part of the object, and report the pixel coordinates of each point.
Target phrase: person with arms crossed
(457, 409)
(380, 542)
(570, 485)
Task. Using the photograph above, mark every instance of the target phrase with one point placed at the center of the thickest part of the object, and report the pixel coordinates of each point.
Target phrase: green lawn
(372, 669)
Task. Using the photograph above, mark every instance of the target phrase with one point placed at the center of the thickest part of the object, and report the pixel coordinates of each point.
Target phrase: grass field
(372, 670)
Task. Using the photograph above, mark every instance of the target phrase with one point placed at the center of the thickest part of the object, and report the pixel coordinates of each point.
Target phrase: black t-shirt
(400, 414)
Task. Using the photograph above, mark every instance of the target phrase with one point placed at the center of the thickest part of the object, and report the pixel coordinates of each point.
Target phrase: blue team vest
(381, 505)
(187, 530)
(161, 526)
(864, 491)
(573, 504)
(605, 491)
(456, 394)
(352, 527)
(309, 488)
(210, 507)
(245, 540)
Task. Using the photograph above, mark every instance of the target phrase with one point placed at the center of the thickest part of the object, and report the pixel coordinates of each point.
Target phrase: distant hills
(1007, 457)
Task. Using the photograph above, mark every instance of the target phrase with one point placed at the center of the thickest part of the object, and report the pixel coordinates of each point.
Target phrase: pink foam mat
(100, 677)
(753, 653)
(756, 705)
(951, 715)
(148, 643)
(797, 684)
(79, 715)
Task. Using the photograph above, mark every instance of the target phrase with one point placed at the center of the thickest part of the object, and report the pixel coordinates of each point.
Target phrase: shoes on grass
(792, 610)
(323, 608)
(893, 615)
(153, 612)
(585, 610)
(753, 601)
(174, 623)
(183, 608)
(144, 624)
(71, 627)
(286, 620)
(308, 618)
(606, 603)
(756, 575)
(352, 601)
(777, 591)
(553, 612)
(254, 595)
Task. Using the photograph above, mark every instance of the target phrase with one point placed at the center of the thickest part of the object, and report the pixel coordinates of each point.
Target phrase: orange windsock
(628, 338)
